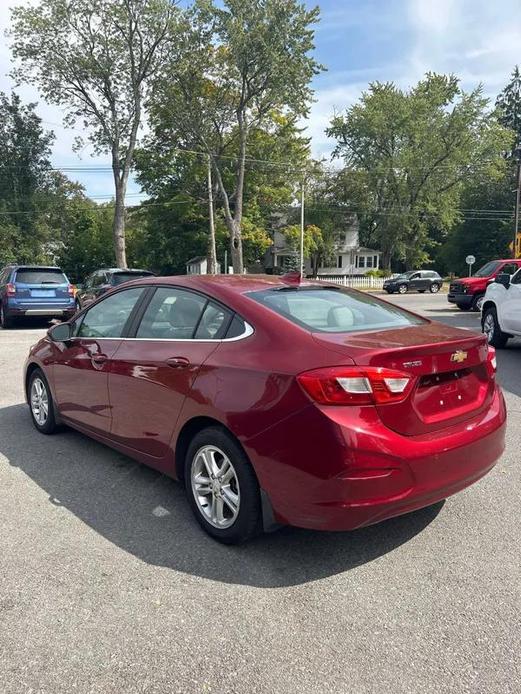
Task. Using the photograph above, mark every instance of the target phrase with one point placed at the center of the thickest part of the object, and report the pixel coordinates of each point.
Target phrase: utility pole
(212, 252)
(302, 194)
(518, 195)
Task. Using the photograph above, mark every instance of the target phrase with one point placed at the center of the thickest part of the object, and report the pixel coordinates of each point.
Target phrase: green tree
(485, 225)
(508, 104)
(176, 215)
(409, 154)
(237, 65)
(25, 177)
(97, 59)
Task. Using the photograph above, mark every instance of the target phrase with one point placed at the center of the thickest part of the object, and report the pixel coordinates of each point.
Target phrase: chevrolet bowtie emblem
(458, 356)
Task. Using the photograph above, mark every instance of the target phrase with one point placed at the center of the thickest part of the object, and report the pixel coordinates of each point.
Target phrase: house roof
(197, 259)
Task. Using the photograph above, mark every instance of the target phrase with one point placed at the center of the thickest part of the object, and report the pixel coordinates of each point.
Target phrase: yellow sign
(518, 246)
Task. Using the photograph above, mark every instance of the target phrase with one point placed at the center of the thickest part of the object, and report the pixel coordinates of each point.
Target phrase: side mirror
(60, 333)
(503, 279)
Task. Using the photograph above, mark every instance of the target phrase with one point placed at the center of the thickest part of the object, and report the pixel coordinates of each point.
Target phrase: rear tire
(222, 487)
(41, 403)
(490, 325)
(6, 321)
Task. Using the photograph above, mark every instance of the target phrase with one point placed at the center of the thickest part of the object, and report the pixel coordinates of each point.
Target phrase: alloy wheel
(435, 288)
(39, 401)
(479, 303)
(489, 327)
(402, 289)
(215, 486)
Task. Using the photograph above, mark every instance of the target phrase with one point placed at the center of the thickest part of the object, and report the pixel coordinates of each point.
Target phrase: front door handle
(178, 362)
(98, 360)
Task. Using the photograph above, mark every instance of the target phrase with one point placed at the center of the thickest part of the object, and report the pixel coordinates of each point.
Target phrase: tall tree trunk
(118, 225)
(212, 253)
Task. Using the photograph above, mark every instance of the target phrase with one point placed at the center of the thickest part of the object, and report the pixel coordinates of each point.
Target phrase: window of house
(339, 262)
(375, 261)
(361, 261)
(369, 261)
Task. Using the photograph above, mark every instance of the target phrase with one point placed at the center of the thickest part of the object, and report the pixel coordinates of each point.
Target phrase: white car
(501, 311)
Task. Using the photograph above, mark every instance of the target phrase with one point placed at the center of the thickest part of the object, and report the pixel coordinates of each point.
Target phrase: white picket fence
(361, 282)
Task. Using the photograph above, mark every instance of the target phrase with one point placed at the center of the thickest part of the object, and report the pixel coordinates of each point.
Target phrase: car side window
(509, 268)
(109, 317)
(213, 323)
(516, 279)
(173, 314)
(415, 276)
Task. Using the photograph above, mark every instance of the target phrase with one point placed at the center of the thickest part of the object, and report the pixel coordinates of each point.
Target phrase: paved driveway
(107, 585)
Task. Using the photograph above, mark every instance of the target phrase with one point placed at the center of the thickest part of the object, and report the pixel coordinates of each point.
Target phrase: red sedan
(275, 401)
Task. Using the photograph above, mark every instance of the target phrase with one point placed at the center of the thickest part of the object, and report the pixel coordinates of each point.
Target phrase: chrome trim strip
(247, 333)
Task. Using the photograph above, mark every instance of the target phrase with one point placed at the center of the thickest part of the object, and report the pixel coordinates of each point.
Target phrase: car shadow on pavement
(145, 513)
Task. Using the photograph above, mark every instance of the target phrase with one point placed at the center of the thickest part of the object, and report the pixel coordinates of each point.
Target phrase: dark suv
(102, 280)
(34, 290)
(415, 280)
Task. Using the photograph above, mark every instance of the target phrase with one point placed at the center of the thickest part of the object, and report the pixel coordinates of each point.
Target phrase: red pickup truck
(468, 292)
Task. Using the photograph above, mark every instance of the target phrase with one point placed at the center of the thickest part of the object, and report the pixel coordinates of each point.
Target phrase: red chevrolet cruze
(275, 401)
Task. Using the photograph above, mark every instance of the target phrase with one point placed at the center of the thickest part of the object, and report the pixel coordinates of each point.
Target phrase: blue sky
(359, 41)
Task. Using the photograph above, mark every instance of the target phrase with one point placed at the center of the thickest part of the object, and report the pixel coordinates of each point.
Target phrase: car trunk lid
(451, 378)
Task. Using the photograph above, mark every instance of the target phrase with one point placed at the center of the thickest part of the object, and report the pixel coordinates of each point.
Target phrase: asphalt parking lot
(108, 585)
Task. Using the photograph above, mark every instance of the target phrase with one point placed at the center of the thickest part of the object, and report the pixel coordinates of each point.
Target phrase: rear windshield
(120, 277)
(40, 276)
(332, 310)
(488, 269)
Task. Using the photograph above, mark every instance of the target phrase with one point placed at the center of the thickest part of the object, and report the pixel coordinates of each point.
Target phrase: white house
(349, 257)
(199, 266)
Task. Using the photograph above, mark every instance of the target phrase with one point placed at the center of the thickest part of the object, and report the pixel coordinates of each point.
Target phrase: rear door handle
(178, 362)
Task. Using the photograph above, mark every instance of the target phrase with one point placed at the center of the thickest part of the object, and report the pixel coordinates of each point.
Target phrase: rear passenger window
(213, 323)
(173, 314)
(236, 329)
(509, 268)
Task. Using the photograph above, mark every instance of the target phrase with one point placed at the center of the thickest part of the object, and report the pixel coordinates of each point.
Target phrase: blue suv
(33, 290)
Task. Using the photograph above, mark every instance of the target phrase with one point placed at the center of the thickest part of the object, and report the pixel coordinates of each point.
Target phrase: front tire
(477, 304)
(434, 288)
(495, 336)
(402, 289)
(41, 403)
(222, 487)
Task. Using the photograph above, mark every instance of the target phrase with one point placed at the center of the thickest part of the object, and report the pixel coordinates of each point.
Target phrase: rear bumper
(27, 308)
(357, 477)
(461, 299)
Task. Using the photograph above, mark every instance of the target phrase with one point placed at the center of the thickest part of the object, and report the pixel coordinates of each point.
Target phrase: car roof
(36, 267)
(122, 269)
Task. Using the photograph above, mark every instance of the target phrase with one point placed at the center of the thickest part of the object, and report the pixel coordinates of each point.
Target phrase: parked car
(468, 292)
(274, 401)
(414, 281)
(34, 290)
(101, 281)
(501, 314)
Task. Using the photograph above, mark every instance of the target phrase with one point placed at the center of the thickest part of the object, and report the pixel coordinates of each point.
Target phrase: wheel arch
(31, 368)
(192, 427)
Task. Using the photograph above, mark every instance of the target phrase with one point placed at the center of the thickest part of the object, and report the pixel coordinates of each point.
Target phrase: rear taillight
(354, 385)
(71, 290)
(491, 362)
(10, 289)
